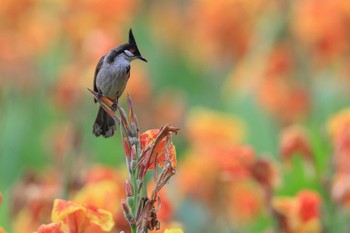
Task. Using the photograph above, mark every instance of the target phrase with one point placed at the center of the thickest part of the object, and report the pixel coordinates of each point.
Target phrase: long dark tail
(104, 124)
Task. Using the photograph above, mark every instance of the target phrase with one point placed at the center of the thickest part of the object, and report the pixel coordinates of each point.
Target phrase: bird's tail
(104, 124)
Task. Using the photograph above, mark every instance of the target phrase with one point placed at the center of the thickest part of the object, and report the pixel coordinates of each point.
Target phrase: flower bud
(129, 189)
(133, 164)
(133, 129)
(139, 184)
(130, 201)
(127, 148)
(127, 211)
(133, 152)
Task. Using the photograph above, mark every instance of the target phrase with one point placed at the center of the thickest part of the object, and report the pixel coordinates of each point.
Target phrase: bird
(111, 76)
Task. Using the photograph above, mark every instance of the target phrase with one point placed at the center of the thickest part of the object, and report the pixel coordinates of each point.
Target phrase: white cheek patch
(128, 53)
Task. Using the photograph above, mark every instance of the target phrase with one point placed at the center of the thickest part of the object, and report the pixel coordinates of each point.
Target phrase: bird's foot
(99, 95)
(114, 105)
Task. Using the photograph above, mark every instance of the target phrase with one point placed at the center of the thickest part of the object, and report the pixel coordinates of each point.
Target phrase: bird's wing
(128, 70)
(98, 67)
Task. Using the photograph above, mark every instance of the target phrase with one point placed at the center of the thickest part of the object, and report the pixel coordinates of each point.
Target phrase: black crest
(132, 43)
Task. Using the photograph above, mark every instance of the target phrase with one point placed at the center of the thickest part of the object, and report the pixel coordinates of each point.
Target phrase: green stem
(135, 198)
(136, 194)
(133, 228)
(134, 176)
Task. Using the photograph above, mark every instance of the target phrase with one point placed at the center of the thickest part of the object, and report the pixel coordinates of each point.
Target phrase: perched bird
(111, 76)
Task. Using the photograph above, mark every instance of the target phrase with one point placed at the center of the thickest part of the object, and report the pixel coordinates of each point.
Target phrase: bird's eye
(128, 53)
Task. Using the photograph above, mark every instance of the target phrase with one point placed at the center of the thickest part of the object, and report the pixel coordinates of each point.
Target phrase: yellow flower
(173, 230)
(68, 216)
(339, 123)
(68, 212)
(101, 194)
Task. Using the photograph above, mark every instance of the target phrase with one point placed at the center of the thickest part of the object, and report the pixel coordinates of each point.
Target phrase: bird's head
(131, 50)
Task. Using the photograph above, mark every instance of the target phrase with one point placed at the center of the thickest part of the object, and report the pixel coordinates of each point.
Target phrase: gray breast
(112, 78)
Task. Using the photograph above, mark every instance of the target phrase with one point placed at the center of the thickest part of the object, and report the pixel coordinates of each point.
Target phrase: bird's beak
(142, 58)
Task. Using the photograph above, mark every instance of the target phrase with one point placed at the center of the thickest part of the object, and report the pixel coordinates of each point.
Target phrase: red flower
(300, 214)
(158, 156)
(309, 205)
(51, 228)
(294, 140)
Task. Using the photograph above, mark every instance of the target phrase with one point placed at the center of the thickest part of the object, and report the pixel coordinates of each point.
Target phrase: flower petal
(50, 228)
(173, 230)
(148, 139)
(63, 210)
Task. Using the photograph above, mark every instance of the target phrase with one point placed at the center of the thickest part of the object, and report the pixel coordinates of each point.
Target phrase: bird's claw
(98, 95)
(114, 105)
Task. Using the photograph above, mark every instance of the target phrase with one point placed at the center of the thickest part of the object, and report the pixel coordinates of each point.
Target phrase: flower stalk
(144, 153)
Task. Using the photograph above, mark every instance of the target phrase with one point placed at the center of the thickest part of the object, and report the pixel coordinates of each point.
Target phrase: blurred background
(259, 88)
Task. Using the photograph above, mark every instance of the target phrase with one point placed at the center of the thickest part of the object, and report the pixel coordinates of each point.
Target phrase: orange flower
(277, 90)
(339, 123)
(271, 78)
(294, 140)
(300, 214)
(147, 139)
(104, 194)
(190, 178)
(68, 90)
(236, 162)
(73, 217)
(60, 139)
(280, 60)
(172, 22)
(322, 26)
(245, 202)
(103, 188)
(340, 191)
(207, 128)
(235, 175)
(223, 35)
(339, 129)
(32, 201)
(81, 17)
(275, 87)
(100, 173)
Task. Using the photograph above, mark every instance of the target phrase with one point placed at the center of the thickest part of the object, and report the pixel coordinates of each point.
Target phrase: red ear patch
(132, 51)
